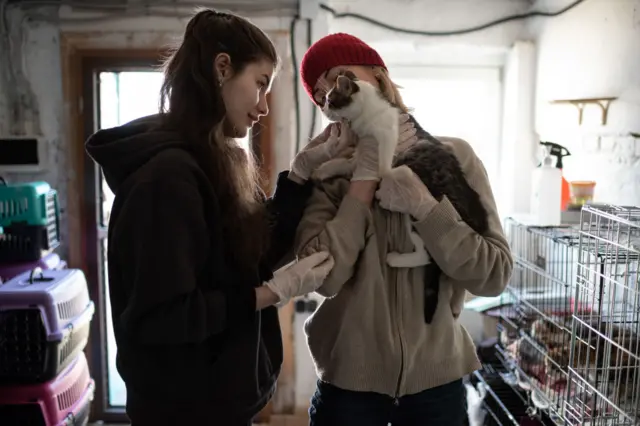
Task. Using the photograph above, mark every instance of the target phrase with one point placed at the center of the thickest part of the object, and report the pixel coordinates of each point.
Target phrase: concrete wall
(488, 46)
(593, 51)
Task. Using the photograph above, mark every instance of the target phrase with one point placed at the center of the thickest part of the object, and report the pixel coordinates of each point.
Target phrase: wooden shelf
(603, 103)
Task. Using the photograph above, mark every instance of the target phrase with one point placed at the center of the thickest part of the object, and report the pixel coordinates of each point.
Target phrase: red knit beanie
(334, 50)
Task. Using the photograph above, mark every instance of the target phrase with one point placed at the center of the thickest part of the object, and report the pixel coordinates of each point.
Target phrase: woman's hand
(300, 277)
(407, 133)
(403, 191)
(335, 141)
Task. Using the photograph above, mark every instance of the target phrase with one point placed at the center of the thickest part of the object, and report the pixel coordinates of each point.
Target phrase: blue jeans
(445, 405)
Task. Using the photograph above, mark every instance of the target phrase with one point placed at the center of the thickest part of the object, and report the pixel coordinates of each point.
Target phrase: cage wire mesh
(604, 379)
(536, 313)
(569, 319)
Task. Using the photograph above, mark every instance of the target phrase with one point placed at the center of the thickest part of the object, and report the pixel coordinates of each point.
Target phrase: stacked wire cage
(536, 315)
(604, 373)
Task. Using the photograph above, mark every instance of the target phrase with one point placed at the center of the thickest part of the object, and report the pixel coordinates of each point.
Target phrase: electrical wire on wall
(314, 108)
(515, 17)
(24, 112)
(296, 79)
(296, 82)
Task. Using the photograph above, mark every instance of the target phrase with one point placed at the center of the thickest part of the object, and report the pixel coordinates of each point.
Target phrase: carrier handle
(34, 271)
(3, 181)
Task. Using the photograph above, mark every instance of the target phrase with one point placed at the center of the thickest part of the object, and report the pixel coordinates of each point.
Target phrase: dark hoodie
(191, 347)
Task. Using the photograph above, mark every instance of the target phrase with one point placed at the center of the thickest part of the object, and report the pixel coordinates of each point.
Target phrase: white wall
(593, 51)
(485, 47)
(517, 152)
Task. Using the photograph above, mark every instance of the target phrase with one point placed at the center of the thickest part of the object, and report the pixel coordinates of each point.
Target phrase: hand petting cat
(403, 191)
(334, 141)
(407, 133)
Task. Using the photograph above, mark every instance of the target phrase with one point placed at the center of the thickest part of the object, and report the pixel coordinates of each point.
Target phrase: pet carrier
(29, 221)
(604, 369)
(63, 401)
(44, 323)
(33, 204)
(12, 270)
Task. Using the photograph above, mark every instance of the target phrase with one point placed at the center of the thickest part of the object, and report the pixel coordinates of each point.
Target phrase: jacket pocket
(323, 329)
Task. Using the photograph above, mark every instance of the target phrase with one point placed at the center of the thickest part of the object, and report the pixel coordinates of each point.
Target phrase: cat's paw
(407, 260)
(395, 260)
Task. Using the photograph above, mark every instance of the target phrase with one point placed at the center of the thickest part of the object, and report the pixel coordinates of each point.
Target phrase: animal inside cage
(537, 311)
(605, 351)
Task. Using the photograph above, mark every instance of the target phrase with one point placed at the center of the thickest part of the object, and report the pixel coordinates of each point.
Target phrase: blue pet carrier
(29, 221)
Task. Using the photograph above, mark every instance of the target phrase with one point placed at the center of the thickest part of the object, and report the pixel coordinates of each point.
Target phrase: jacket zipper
(396, 399)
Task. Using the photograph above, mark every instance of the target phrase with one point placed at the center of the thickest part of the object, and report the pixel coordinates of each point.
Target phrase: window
(458, 102)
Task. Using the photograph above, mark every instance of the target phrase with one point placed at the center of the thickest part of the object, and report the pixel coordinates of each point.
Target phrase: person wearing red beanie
(378, 360)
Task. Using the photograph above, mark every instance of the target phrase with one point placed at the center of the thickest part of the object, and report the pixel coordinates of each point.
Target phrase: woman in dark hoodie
(193, 241)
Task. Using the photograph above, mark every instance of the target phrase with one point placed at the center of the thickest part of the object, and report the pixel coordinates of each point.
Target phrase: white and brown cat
(369, 115)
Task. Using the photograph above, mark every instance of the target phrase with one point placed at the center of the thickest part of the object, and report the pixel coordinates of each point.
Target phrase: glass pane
(117, 393)
(463, 108)
(124, 96)
(467, 109)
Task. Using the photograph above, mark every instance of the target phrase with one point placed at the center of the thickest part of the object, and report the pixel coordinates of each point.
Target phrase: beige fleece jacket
(369, 334)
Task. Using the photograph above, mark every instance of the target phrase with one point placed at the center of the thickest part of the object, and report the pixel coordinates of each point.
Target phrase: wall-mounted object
(23, 154)
(603, 103)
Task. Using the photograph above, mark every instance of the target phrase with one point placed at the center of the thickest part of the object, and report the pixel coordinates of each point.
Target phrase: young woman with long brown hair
(192, 239)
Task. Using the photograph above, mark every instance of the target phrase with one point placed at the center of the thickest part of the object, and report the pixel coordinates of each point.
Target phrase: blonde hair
(389, 89)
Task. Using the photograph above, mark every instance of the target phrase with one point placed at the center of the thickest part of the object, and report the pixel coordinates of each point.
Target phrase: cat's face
(342, 100)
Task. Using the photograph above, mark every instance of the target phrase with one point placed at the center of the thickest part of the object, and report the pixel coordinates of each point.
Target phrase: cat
(439, 170)
(435, 165)
(369, 114)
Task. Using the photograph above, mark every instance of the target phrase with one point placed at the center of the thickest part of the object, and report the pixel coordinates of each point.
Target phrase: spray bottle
(546, 195)
(559, 151)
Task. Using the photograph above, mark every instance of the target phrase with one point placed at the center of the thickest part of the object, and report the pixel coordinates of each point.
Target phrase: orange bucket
(582, 192)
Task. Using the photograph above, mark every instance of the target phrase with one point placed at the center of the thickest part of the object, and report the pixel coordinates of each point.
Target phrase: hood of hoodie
(120, 151)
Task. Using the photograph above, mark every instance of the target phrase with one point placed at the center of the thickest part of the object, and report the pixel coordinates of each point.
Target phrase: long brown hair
(191, 102)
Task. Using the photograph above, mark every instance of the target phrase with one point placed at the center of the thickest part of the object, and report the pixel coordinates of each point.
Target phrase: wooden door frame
(78, 53)
(79, 62)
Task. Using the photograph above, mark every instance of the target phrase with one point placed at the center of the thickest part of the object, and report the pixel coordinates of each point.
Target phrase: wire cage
(536, 313)
(605, 351)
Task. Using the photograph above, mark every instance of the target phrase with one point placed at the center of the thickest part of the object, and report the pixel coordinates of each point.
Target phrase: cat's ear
(344, 85)
(350, 74)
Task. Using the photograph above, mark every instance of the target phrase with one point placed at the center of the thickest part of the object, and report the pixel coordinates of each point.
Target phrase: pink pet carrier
(44, 323)
(12, 270)
(63, 401)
